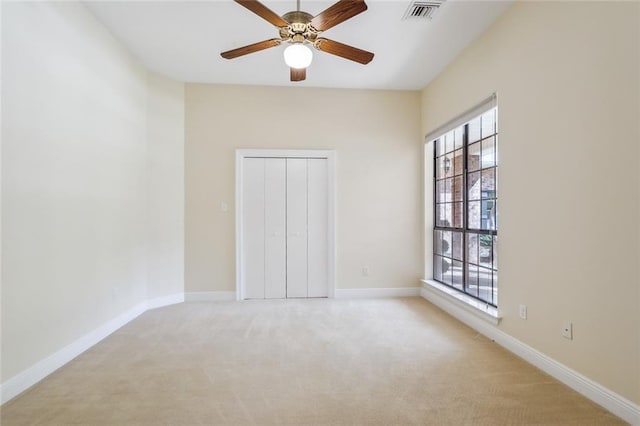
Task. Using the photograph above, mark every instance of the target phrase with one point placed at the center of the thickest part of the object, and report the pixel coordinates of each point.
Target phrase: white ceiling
(183, 40)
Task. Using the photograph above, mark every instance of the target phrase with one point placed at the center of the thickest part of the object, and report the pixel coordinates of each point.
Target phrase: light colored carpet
(300, 362)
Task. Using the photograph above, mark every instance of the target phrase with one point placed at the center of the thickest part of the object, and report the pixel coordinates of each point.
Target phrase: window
(465, 231)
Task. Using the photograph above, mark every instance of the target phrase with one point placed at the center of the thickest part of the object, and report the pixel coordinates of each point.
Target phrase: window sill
(471, 305)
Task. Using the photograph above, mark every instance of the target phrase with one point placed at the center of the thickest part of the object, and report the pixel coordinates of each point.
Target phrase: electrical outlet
(567, 329)
(224, 207)
(523, 312)
(365, 271)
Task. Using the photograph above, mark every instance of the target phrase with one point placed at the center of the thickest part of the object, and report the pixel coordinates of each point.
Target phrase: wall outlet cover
(523, 312)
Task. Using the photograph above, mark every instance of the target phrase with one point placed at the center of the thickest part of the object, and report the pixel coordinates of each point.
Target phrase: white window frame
(436, 291)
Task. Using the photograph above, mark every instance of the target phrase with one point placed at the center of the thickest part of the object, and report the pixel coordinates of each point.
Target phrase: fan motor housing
(297, 17)
(298, 30)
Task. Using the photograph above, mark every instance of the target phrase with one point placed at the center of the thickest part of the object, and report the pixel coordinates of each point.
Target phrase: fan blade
(339, 12)
(344, 50)
(264, 12)
(251, 48)
(298, 74)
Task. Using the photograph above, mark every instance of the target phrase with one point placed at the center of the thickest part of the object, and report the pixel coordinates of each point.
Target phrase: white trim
(42, 369)
(210, 296)
(331, 201)
(241, 154)
(471, 113)
(284, 153)
(239, 279)
(375, 293)
(613, 402)
(434, 289)
(32, 375)
(159, 302)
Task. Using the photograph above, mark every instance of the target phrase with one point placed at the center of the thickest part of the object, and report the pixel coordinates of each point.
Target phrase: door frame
(330, 156)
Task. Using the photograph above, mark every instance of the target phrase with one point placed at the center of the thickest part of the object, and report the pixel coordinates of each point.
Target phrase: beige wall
(79, 179)
(567, 78)
(375, 135)
(92, 169)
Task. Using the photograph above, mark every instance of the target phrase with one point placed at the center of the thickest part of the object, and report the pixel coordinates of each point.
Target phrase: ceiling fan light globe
(298, 56)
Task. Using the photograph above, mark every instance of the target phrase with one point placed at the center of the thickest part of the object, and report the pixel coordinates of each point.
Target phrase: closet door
(253, 252)
(285, 244)
(275, 251)
(297, 227)
(317, 227)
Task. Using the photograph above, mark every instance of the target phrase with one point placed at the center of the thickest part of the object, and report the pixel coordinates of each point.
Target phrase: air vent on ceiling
(422, 9)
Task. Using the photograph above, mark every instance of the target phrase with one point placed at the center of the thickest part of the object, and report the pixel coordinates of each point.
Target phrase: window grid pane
(466, 198)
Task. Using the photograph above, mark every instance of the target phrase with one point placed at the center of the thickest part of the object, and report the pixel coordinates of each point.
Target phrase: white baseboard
(159, 302)
(613, 402)
(32, 375)
(374, 293)
(29, 377)
(608, 399)
(210, 296)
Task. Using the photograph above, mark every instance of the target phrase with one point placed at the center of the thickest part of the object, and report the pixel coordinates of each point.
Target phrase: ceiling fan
(300, 29)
